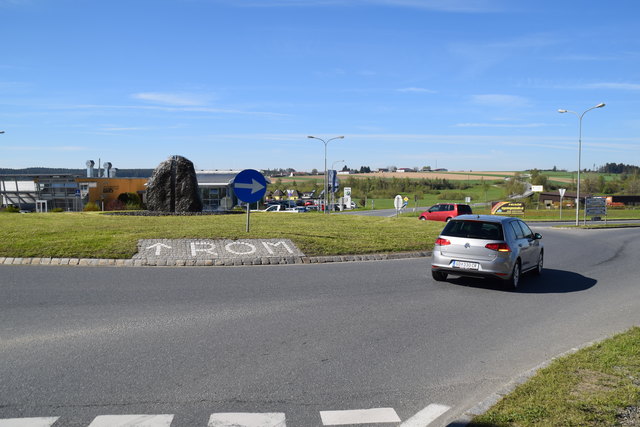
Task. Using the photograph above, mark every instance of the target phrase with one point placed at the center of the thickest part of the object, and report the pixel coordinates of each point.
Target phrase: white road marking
(158, 247)
(28, 422)
(359, 416)
(426, 416)
(163, 420)
(241, 419)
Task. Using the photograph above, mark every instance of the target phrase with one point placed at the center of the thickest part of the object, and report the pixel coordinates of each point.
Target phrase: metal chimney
(90, 164)
(107, 169)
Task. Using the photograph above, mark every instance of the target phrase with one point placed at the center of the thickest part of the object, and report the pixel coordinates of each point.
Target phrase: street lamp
(333, 165)
(580, 116)
(326, 181)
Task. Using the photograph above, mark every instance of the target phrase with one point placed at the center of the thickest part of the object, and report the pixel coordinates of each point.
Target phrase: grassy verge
(93, 235)
(597, 386)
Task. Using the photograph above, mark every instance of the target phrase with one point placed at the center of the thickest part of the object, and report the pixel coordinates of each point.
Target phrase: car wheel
(439, 276)
(514, 280)
(539, 266)
(448, 219)
(422, 218)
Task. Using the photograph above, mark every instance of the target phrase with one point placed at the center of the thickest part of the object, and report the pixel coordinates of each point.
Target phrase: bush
(57, 210)
(114, 205)
(131, 201)
(451, 195)
(91, 207)
(11, 209)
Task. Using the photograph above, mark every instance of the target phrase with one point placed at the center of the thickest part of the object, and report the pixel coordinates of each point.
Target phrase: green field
(95, 235)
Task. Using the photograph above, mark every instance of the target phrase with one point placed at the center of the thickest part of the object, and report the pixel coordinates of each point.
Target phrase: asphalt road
(299, 340)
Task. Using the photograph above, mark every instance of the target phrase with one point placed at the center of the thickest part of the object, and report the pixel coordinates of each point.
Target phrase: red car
(445, 211)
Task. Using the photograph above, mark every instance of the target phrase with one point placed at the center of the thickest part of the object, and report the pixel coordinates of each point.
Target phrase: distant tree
(538, 178)
(619, 168)
(590, 183)
(632, 185)
(314, 171)
(514, 185)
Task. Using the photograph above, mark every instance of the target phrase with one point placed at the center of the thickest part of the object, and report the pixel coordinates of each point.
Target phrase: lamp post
(326, 182)
(580, 116)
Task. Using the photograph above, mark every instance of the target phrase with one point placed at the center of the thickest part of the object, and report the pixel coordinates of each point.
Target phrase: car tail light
(500, 247)
(442, 242)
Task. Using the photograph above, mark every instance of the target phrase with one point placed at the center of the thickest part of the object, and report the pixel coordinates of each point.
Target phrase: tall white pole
(326, 176)
(580, 116)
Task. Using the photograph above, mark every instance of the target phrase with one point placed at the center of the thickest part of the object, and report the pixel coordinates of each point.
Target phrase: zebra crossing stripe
(426, 416)
(241, 419)
(28, 422)
(359, 416)
(163, 420)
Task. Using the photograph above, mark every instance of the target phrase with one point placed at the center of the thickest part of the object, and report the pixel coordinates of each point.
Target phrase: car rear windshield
(464, 209)
(474, 230)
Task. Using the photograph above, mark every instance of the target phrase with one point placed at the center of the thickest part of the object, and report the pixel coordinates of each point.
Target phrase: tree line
(619, 168)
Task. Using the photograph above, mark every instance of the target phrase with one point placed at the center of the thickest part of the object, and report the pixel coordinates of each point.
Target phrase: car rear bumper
(497, 268)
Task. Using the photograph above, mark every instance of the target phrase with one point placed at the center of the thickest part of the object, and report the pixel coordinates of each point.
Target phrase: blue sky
(234, 84)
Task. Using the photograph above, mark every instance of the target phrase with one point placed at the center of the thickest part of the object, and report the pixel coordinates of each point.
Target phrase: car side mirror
(537, 236)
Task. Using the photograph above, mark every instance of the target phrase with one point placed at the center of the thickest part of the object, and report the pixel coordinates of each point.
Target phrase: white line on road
(28, 422)
(163, 420)
(359, 416)
(426, 416)
(246, 419)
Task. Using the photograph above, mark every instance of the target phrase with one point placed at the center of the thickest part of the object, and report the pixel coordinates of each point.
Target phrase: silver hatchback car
(487, 246)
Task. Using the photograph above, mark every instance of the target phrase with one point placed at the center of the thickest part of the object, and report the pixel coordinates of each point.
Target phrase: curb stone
(152, 262)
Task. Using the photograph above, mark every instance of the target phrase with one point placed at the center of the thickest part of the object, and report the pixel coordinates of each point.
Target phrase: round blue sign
(250, 185)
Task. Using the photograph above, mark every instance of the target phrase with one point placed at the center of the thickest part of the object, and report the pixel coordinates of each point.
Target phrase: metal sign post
(594, 207)
(249, 186)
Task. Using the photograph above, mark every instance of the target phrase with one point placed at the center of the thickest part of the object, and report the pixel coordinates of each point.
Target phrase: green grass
(589, 388)
(93, 235)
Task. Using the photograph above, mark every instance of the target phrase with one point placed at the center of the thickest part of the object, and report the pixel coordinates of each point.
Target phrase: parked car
(487, 246)
(282, 208)
(445, 211)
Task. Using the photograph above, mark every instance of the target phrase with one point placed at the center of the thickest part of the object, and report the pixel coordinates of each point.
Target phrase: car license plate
(465, 265)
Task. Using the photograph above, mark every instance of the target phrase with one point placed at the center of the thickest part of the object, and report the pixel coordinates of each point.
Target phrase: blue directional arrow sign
(250, 186)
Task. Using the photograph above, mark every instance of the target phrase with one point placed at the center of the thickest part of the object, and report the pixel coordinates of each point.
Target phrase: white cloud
(620, 86)
(187, 109)
(177, 99)
(498, 100)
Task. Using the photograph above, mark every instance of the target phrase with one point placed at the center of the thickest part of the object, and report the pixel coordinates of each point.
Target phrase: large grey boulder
(173, 187)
